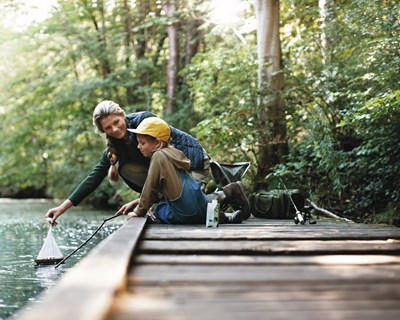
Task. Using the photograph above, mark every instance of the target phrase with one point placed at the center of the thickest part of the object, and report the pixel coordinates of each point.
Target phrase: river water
(22, 233)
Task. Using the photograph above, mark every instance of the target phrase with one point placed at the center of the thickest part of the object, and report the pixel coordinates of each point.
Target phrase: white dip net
(50, 252)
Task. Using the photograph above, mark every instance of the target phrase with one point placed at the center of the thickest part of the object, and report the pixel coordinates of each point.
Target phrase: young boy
(176, 196)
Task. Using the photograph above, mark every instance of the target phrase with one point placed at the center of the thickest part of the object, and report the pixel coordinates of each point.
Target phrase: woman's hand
(54, 213)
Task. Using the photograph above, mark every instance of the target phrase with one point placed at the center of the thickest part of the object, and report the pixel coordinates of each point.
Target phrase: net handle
(88, 239)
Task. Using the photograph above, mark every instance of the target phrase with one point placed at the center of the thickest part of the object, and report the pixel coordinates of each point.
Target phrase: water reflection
(22, 234)
(47, 276)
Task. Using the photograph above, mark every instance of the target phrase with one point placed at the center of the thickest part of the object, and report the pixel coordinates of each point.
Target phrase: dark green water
(22, 233)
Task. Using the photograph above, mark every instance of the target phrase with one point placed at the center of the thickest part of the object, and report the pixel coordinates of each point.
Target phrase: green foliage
(223, 86)
(342, 95)
(378, 156)
(341, 111)
(77, 58)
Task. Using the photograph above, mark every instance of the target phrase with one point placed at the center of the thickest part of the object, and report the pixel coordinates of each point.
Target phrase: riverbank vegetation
(340, 95)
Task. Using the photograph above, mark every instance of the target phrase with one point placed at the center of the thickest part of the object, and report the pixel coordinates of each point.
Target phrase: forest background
(338, 66)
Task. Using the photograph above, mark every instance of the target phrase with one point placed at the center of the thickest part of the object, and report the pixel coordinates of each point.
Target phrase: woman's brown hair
(104, 109)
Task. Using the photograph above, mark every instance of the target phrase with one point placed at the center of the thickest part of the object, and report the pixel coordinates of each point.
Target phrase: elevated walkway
(261, 269)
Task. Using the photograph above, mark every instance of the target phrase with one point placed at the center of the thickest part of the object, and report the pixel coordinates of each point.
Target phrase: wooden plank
(87, 290)
(170, 314)
(238, 304)
(256, 223)
(284, 230)
(264, 270)
(145, 305)
(160, 275)
(256, 301)
(255, 270)
(176, 259)
(275, 292)
(270, 247)
(260, 234)
(214, 300)
(266, 224)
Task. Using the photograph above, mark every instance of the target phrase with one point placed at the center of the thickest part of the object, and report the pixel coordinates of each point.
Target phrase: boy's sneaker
(236, 217)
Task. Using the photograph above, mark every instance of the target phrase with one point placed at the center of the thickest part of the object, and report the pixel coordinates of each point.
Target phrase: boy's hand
(128, 207)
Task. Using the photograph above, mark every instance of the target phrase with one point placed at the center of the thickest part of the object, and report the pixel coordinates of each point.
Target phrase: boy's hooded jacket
(170, 160)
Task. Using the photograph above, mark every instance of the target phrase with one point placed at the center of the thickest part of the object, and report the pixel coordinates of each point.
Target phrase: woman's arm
(88, 185)
(92, 181)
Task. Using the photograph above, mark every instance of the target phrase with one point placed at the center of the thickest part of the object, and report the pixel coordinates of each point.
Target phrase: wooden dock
(261, 269)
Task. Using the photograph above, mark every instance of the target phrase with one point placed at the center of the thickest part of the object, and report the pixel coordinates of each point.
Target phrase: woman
(111, 120)
(182, 201)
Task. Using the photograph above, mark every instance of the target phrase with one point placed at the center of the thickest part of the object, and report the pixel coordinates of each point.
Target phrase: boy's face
(146, 145)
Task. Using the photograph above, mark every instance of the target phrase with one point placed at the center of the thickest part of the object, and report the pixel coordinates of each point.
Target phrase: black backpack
(276, 204)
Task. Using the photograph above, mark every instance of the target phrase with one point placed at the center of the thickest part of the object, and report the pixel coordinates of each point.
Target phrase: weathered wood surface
(87, 291)
(264, 269)
(261, 269)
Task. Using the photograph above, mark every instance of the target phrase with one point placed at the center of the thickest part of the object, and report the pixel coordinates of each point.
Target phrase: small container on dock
(212, 214)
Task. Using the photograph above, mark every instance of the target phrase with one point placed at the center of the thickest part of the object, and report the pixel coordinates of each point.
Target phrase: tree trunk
(271, 104)
(141, 37)
(169, 8)
(325, 9)
(194, 37)
(135, 43)
(104, 63)
(128, 30)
